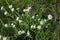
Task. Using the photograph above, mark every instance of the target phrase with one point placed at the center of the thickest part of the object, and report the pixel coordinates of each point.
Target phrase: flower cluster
(21, 32)
(34, 22)
(27, 10)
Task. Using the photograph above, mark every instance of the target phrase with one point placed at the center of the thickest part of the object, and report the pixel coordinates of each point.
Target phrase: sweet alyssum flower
(2, 7)
(4, 38)
(38, 19)
(20, 21)
(50, 16)
(39, 27)
(0, 36)
(42, 22)
(13, 25)
(33, 26)
(27, 10)
(10, 6)
(33, 17)
(45, 20)
(21, 32)
(12, 9)
(17, 18)
(28, 33)
(37, 15)
(6, 25)
(5, 13)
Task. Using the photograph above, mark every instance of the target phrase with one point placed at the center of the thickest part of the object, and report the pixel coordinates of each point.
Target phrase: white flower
(37, 15)
(33, 17)
(20, 21)
(21, 32)
(39, 27)
(27, 10)
(6, 25)
(10, 6)
(33, 26)
(0, 36)
(24, 10)
(38, 19)
(17, 18)
(12, 9)
(1, 7)
(41, 22)
(13, 25)
(4, 38)
(5, 13)
(45, 20)
(28, 33)
(50, 16)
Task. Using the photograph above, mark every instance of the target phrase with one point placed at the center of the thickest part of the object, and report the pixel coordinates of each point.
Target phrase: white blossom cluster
(33, 26)
(6, 25)
(17, 19)
(4, 38)
(42, 22)
(11, 7)
(13, 25)
(21, 32)
(27, 10)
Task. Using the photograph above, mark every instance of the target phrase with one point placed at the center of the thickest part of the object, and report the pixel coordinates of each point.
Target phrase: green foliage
(50, 28)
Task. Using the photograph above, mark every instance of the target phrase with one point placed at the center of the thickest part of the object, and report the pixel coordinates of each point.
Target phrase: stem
(1, 21)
